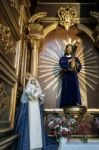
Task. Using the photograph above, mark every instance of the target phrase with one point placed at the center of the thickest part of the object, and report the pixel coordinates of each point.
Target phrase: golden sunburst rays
(83, 80)
(50, 64)
(53, 54)
(79, 52)
(57, 52)
(59, 48)
(90, 67)
(46, 58)
(54, 83)
(51, 72)
(85, 57)
(90, 59)
(89, 70)
(88, 78)
(69, 41)
(88, 75)
(83, 92)
(82, 55)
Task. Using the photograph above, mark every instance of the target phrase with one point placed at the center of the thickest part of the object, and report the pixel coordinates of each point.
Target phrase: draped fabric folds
(48, 142)
(70, 94)
(22, 127)
(29, 123)
(28, 120)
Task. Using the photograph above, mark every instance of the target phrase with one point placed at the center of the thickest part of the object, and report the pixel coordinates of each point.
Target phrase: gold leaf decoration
(66, 16)
(7, 40)
(4, 98)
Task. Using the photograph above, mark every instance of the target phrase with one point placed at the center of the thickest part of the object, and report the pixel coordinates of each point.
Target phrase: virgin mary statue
(70, 94)
(28, 123)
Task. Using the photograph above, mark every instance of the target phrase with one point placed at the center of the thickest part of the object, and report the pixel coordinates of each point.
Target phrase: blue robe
(70, 94)
(22, 128)
(22, 125)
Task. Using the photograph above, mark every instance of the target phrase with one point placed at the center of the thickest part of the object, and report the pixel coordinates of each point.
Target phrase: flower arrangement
(84, 128)
(61, 126)
(65, 126)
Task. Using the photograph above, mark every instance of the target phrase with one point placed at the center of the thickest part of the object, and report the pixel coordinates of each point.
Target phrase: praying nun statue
(28, 122)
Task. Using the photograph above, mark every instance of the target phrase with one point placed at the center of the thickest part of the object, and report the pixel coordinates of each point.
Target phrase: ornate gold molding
(15, 4)
(96, 30)
(35, 48)
(66, 16)
(35, 37)
(7, 40)
(13, 104)
(35, 31)
(86, 30)
(4, 98)
(56, 19)
(60, 110)
(49, 29)
(95, 15)
(37, 16)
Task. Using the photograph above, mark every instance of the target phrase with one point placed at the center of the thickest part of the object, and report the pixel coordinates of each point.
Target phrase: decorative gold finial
(66, 16)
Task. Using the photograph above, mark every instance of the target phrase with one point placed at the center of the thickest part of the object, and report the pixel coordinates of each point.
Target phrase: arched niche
(53, 41)
(51, 37)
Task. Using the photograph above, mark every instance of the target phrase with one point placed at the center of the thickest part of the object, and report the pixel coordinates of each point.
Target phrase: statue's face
(69, 49)
(33, 81)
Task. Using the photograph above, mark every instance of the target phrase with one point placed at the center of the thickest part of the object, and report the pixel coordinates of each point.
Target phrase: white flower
(51, 123)
(63, 128)
(57, 126)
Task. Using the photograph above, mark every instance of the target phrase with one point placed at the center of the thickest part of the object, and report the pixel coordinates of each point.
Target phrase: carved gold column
(35, 38)
(34, 57)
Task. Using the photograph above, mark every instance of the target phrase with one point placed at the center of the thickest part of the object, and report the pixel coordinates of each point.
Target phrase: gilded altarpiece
(13, 64)
(48, 43)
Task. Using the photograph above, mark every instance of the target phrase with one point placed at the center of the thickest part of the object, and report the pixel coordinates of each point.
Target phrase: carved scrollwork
(35, 37)
(66, 16)
(95, 15)
(35, 31)
(15, 4)
(7, 40)
(96, 30)
(4, 98)
(37, 16)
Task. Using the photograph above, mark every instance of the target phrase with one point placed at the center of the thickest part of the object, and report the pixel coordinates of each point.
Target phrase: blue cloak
(22, 128)
(70, 94)
(22, 124)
